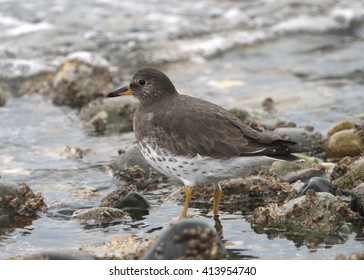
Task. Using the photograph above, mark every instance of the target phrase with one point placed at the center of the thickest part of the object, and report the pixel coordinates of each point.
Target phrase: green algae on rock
(348, 173)
(343, 125)
(344, 143)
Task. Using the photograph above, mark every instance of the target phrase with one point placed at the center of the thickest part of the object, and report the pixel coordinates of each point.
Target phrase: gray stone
(100, 215)
(357, 199)
(109, 115)
(77, 82)
(319, 184)
(134, 157)
(354, 172)
(133, 201)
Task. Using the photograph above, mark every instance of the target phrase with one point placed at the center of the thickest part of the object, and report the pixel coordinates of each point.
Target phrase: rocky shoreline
(315, 202)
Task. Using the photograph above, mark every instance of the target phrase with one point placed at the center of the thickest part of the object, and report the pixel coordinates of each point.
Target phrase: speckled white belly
(200, 170)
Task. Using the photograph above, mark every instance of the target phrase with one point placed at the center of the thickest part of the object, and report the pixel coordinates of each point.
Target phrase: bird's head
(147, 85)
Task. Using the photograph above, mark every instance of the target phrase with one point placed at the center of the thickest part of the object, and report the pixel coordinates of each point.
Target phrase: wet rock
(305, 175)
(113, 198)
(319, 212)
(77, 82)
(357, 199)
(100, 215)
(133, 157)
(3, 97)
(236, 186)
(319, 184)
(125, 197)
(282, 169)
(354, 256)
(133, 200)
(19, 199)
(20, 76)
(348, 174)
(109, 115)
(132, 174)
(54, 256)
(130, 249)
(344, 143)
(304, 136)
(98, 123)
(342, 167)
(343, 125)
(187, 239)
(74, 152)
(242, 194)
(40, 84)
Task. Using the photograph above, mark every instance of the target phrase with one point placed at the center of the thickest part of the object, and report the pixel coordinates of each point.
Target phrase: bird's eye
(141, 82)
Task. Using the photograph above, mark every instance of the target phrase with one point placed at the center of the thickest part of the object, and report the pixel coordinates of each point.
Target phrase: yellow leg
(217, 198)
(187, 202)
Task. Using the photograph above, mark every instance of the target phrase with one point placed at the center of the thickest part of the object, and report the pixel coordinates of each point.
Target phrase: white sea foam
(307, 23)
(336, 19)
(10, 21)
(88, 57)
(26, 28)
(12, 68)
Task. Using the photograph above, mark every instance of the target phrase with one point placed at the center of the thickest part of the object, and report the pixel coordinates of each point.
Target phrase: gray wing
(209, 130)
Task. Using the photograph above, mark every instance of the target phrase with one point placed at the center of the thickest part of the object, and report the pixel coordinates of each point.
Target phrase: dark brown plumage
(170, 125)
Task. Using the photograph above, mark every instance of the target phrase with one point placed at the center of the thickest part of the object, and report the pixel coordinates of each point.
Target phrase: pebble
(319, 184)
(305, 175)
(122, 199)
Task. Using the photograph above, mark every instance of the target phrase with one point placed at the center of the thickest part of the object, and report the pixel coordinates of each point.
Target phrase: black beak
(120, 92)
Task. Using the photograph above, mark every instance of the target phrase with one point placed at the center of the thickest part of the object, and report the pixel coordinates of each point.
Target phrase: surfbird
(196, 141)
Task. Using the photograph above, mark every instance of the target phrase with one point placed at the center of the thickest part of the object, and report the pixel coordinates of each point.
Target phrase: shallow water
(306, 55)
